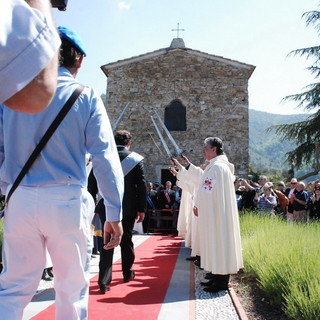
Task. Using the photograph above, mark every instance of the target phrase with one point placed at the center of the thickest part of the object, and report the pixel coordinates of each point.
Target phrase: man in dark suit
(166, 197)
(133, 207)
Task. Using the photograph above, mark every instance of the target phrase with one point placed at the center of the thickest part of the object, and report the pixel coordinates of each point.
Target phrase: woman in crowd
(267, 201)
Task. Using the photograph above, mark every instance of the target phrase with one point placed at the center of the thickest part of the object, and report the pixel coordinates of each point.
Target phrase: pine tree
(306, 133)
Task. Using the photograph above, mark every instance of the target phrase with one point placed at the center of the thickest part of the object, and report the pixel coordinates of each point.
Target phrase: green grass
(285, 259)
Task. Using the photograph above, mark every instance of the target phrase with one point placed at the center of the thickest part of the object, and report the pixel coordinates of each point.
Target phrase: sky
(256, 32)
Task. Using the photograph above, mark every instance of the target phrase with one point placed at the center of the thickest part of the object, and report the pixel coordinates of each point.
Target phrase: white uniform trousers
(57, 218)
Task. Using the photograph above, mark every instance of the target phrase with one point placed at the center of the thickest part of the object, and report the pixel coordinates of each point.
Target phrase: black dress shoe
(103, 288)
(215, 288)
(209, 276)
(50, 273)
(131, 277)
(207, 283)
(191, 259)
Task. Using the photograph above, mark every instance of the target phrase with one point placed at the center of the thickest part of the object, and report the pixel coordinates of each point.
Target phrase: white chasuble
(218, 219)
(186, 206)
(187, 221)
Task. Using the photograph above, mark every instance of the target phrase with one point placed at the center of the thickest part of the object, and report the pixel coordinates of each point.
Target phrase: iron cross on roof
(178, 29)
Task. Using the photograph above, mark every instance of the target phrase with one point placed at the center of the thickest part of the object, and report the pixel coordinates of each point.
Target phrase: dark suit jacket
(135, 190)
(162, 199)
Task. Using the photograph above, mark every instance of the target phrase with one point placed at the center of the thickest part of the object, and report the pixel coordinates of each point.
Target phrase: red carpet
(141, 298)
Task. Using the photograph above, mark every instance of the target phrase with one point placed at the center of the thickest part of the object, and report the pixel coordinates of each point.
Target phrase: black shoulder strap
(54, 125)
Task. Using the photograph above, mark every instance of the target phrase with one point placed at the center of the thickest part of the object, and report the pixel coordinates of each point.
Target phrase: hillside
(265, 148)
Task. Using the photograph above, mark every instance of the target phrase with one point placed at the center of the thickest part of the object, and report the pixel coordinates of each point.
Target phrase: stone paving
(212, 306)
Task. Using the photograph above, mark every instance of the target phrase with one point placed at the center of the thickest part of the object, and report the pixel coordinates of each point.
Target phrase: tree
(306, 134)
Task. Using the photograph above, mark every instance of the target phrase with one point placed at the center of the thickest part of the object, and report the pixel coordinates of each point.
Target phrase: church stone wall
(214, 93)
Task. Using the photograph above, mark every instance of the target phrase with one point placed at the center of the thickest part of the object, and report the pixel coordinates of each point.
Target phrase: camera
(60, 4)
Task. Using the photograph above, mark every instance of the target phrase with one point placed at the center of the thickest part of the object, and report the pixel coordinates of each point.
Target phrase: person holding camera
(247, 193)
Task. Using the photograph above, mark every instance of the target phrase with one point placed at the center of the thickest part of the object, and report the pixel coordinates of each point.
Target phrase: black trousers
(127, 254)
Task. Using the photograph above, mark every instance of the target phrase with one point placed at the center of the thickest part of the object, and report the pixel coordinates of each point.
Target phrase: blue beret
(72, 37)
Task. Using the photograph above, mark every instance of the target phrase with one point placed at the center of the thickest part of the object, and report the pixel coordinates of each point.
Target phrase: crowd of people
(51, 210)
(162, 201)
(298, 201)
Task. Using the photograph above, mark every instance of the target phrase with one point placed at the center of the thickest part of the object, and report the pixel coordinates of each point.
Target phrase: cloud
(124, 5)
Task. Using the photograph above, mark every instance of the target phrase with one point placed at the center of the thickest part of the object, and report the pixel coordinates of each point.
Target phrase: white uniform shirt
(86, 128)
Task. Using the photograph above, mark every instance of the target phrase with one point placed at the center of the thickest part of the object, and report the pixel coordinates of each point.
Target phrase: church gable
(180, 73)
(196, 95)
(158, 54)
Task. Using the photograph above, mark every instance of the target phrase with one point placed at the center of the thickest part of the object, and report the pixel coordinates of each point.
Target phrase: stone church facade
(195, 94)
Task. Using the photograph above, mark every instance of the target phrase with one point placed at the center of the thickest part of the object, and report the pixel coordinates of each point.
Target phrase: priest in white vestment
(187, 222)
(185, 210)
(218, 219)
